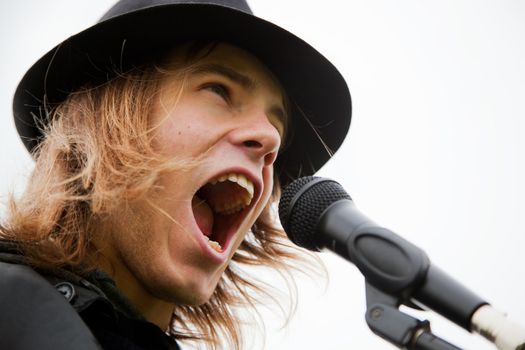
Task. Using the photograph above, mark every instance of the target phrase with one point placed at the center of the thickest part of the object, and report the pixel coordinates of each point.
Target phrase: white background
(436, 149)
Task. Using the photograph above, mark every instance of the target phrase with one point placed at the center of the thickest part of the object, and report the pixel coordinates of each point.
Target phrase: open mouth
(220, 206)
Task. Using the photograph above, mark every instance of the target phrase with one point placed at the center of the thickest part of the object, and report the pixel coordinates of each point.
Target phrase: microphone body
(394, 265)
(317, 213)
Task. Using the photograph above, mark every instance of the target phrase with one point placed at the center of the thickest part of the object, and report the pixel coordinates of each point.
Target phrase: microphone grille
(301, 205)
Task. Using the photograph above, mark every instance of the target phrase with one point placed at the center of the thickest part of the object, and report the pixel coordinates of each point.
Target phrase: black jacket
(61, 310)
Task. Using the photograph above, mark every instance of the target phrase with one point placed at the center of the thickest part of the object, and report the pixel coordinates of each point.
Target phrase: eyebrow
(239, 78)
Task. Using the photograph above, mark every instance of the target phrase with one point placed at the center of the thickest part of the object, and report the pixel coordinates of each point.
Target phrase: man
(161, 136)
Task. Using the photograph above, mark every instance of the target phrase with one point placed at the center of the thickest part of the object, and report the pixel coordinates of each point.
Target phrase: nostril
(252, 144)
(270, 158)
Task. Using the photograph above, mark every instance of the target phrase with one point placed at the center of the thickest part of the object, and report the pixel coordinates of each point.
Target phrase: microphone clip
(404, 331)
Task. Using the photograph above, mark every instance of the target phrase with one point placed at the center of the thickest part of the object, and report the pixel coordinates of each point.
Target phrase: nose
(258, 138)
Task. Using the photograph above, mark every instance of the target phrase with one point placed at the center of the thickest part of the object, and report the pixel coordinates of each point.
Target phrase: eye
(218, 89)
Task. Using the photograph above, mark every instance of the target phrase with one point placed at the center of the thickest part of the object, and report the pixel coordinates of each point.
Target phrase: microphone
(317, 213)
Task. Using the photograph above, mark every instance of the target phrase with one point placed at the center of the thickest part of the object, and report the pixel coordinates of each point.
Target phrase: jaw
(179, 271)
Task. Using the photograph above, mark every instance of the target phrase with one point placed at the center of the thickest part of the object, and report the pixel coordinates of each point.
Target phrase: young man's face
(229, 115)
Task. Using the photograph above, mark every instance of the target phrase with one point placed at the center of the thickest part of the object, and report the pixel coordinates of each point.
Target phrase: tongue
(203, 215)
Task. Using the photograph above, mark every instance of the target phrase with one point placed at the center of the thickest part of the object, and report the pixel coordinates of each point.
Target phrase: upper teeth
(232, 205)
(240, 179)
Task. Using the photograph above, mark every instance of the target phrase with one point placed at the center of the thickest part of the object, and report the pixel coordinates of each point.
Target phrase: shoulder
(17, 278)
(35, 315)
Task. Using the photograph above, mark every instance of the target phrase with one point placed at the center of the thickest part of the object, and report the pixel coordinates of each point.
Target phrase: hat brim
(320, 100)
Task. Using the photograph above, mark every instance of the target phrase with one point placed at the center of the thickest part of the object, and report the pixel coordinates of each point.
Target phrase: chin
(193, 297)
(191, 292)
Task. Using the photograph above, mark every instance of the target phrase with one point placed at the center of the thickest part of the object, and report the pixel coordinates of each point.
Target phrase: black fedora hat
(134, 32)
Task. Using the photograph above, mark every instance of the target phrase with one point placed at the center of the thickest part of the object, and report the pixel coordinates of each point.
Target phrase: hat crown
(126, 6)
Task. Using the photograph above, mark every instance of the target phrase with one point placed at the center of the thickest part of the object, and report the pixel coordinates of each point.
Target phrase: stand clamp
(402, 330)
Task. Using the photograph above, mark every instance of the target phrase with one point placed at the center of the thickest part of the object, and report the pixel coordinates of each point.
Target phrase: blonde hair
(97, 148)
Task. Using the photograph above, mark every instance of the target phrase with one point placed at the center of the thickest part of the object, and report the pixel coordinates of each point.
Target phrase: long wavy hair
(97, 154)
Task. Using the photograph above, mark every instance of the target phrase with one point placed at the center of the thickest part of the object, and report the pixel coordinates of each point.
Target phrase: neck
(154, 310)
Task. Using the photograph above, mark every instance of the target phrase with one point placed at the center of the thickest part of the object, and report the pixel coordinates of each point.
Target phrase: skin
(154, 256)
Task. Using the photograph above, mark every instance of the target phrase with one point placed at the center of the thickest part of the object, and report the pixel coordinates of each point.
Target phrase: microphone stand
(398, 272)
(402, 330)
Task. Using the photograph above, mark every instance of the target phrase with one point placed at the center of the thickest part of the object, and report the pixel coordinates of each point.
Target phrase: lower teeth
(214, 245)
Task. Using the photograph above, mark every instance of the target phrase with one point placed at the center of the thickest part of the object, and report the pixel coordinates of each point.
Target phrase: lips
(220, 206)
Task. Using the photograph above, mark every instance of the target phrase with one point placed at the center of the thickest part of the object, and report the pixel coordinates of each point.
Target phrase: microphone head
(302, 203)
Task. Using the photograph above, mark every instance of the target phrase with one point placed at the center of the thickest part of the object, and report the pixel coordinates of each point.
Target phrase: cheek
(186, 133)
(268, 173)
(130, 235)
